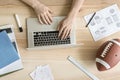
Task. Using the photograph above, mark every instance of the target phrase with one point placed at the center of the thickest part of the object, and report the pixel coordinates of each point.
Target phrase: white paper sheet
(105, 22)
(42, 73)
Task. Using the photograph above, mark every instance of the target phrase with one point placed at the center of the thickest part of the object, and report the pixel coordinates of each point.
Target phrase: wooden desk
(62, 69)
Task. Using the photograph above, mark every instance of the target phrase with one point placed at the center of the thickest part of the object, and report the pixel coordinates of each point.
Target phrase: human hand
(65, 27)
(44, 14)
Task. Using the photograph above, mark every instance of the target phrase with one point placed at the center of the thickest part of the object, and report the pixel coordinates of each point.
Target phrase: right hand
(44, 14)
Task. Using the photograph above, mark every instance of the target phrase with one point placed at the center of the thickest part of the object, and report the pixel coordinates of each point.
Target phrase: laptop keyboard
(48, 38)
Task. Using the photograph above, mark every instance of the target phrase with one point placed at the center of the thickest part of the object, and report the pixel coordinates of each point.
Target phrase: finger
(50, 17)
(58, 27)
(50, 11)
(67, 33)
(39, 19)
(61, 30)
(47, 19)
(64, 33)
(44, 20)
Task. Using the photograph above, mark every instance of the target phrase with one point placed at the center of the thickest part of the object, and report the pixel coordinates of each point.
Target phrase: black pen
(90, 19)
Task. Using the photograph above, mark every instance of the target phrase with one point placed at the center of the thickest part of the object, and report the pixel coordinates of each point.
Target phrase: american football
(108, 55)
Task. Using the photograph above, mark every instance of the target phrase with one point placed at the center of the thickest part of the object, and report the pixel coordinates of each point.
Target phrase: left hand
(44, 13)
(65, 27)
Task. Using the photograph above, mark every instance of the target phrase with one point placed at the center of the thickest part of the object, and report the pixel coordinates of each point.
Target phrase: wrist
(71, 15)
(36, 3)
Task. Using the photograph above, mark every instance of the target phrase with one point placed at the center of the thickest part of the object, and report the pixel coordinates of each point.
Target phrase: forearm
(32, 3)
(76, 6)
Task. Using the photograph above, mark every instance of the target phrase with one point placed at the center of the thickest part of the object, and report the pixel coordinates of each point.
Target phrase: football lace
(107, 48)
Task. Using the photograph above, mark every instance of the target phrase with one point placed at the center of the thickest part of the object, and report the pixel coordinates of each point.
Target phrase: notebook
(8, 54)
(16, 65)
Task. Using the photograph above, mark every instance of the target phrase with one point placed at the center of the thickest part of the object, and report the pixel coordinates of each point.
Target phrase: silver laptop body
(34, 26)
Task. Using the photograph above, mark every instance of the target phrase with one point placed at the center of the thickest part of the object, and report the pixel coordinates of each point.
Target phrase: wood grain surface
(61, 68)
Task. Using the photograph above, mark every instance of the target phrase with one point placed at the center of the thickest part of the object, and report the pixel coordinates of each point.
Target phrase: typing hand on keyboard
(65, 27)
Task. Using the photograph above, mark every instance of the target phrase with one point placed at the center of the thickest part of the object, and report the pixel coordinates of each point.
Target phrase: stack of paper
(105, 22)
(9, 54)
(42, 73)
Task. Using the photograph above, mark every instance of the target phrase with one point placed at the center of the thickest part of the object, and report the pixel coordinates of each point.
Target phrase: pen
(18, 22)
(90, 19)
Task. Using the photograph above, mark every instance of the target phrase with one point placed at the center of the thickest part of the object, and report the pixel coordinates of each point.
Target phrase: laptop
(46, 36)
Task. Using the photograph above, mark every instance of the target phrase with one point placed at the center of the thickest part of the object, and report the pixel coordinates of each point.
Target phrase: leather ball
(108, 55)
